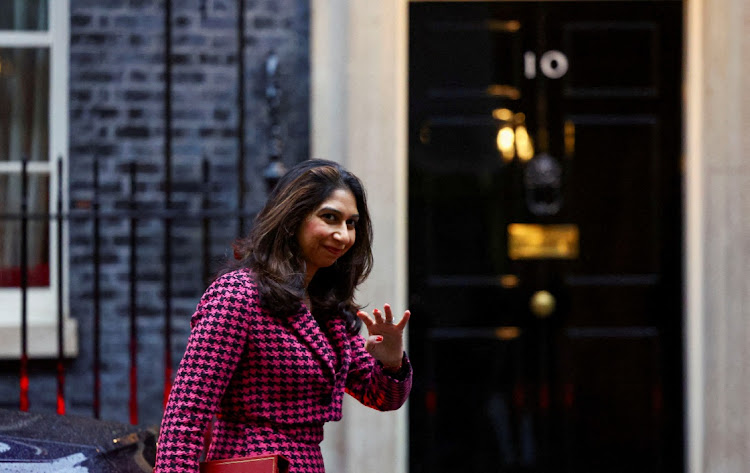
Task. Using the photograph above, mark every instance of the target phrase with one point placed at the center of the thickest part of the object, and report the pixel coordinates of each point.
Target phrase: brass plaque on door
(535, 241)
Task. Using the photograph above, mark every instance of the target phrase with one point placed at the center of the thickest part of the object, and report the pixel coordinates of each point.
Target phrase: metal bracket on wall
(275, 168)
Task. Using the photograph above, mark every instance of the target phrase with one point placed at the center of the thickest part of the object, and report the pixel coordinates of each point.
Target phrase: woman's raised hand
(385, 340)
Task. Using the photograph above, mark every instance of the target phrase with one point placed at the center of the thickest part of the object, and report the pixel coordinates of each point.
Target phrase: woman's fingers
(380, 319)
(388, 314)
(404, 320)
(365, 317)
(378, 316)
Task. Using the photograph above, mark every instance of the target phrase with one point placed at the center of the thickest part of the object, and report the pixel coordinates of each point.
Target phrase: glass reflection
(12, 233)
(21, 15)
(24, 104)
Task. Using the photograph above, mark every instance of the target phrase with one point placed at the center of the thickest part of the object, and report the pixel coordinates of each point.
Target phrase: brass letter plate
(534, 241)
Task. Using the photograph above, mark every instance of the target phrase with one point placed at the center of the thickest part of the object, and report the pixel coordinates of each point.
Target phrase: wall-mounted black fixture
(275, 168)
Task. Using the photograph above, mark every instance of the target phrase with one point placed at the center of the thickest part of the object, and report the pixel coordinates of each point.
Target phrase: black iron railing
(98, 211)
(92, 216)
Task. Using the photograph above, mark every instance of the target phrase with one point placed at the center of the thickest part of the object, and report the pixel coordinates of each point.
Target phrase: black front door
(545, 236)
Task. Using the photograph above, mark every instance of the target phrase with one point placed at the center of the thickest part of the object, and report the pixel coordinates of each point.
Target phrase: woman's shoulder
(239, 281)
(240, 275)
(230, 293)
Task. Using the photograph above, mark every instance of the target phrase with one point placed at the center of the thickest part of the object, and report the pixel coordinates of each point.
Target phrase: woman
(275, 339)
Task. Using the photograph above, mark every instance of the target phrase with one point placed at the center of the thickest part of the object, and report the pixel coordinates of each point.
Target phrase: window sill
(42, 340)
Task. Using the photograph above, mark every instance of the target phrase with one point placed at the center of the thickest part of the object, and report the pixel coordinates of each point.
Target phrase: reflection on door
(545, 236)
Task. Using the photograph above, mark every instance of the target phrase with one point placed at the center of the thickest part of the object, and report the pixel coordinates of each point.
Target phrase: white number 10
(553, 64)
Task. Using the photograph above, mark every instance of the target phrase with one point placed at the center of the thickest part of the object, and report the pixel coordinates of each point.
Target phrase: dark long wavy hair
(272, 252)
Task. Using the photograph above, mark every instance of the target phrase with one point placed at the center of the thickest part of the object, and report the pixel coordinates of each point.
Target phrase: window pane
(24, 104)
(12, 234)
(23, 15)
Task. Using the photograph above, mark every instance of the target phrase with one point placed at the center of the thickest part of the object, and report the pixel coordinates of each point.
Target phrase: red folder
(256, 464)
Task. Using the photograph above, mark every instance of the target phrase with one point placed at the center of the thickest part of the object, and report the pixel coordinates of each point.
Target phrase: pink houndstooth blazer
(272, 382)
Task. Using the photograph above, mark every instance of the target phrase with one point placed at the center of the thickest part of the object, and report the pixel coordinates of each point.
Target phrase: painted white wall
(718, 234)
(694, 238)
(358, 109)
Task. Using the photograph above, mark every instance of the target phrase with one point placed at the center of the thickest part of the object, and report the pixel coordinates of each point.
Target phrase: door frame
(361, 46)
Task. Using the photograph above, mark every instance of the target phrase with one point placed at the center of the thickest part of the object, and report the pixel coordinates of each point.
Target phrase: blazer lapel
(309, 332)
(340, 342)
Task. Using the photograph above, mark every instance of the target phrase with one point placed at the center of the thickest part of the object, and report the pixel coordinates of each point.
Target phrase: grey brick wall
(117, 117)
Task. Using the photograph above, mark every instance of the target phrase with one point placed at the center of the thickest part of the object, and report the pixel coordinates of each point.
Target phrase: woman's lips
(335, 251)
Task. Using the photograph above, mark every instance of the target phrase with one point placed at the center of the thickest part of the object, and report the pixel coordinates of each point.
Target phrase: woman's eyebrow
(337, 211)
(330, 209)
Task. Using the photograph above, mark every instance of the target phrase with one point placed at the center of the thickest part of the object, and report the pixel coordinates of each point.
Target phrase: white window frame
(42, 302)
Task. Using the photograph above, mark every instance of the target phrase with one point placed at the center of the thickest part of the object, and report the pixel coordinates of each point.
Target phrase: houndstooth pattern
(271, 382)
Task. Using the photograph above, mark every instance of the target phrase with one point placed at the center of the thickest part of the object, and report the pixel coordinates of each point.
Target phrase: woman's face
(328, 232)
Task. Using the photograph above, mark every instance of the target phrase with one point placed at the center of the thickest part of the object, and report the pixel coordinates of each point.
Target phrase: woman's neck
(306, 300)
(308, 277)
